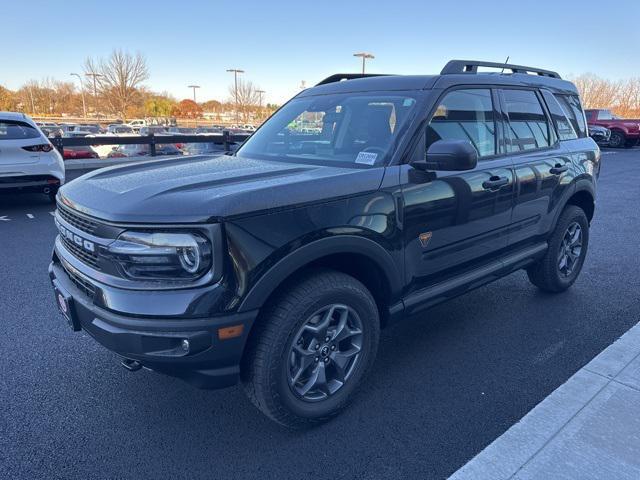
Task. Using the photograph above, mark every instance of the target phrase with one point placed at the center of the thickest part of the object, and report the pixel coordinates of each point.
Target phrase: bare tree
(118, 78)
(246, 98)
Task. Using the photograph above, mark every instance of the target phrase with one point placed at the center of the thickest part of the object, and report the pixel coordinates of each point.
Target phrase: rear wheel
(617, 139)
(562, 263)
(52, 195)
(312, 349)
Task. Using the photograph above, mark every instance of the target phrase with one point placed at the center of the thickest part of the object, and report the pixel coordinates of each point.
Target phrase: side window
(560, 120)
(465, 115)
(571, 106)
(528, 127)
(605, 115)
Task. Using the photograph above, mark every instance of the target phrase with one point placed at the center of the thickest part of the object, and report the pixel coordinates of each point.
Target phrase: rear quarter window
(573, 109)
(14, 130)
(560, 121)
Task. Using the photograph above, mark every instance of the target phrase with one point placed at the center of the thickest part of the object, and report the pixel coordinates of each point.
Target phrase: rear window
(13, 130)
(560, 120)
(528, 126)
(605, 115)
(572, 108)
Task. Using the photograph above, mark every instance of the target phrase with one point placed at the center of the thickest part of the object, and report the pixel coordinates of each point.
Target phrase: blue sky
(280, 43)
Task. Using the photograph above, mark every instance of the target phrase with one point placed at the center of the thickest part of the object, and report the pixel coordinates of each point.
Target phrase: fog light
(185, 345)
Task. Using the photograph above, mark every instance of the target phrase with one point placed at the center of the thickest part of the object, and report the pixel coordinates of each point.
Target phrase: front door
(455, 221)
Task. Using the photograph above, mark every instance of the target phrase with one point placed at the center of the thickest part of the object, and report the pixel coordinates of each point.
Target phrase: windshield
(349, 129)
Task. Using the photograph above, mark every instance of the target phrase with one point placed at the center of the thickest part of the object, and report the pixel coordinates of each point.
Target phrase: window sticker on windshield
(368, 158)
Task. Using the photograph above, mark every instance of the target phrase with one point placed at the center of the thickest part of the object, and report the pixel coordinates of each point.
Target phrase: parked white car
(28, 161)
(137, 124)
(103, 151)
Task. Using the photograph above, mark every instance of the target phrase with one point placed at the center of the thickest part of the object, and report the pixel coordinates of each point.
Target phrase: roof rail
(471, 66)
(338, 77)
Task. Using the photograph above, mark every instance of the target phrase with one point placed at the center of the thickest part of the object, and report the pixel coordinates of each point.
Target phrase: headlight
(161, 255)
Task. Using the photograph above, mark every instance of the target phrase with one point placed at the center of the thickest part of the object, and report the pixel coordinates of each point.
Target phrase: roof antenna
(505, 64)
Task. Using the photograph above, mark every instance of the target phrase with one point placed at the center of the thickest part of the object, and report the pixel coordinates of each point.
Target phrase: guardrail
(225, 138)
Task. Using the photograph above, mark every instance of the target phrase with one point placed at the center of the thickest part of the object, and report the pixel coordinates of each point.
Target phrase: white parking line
(29, 215)
(3, 218)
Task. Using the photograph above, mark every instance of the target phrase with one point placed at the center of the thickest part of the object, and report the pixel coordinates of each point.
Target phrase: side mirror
(449, 155)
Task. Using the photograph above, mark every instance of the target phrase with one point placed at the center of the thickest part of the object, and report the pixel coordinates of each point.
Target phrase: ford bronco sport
(363, 200)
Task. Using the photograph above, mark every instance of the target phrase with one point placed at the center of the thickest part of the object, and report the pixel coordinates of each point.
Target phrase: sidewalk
(588, 428)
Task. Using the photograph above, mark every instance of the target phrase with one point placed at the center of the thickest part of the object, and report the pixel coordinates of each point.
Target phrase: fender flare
(580, 185)
(266, 285)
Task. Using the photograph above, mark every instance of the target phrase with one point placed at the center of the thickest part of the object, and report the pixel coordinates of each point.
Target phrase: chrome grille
(80, 222)
(78, 252)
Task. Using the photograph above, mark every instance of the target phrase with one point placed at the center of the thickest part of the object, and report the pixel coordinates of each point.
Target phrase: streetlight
(235, 72)
(84, 105)
(194, 91)
(95, 88)
(364, 56)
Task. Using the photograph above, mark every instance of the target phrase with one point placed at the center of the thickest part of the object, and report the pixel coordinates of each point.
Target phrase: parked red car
(72, 153)
(625, 132)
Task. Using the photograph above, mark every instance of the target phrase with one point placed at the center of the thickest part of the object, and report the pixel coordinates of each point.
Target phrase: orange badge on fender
(425, 238)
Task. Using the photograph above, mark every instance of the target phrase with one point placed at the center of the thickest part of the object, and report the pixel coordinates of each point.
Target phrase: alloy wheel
(570, 249)
(324, 352)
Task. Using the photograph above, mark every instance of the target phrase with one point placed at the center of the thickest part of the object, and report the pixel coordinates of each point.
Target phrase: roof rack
(471, 66)
(338, 77)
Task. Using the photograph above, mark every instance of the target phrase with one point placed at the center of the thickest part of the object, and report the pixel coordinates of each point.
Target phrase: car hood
(207, 188)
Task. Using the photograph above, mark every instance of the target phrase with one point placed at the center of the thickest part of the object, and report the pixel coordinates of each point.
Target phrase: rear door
(14, 136)
(455, 221)
(543, 167)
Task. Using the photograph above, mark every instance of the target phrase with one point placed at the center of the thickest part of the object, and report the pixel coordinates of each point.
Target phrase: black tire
(269, 357)
(617, 139)
(548, 273)
(52, 195)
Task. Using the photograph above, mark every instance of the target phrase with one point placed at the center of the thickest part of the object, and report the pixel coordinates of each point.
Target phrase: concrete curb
(587, 428)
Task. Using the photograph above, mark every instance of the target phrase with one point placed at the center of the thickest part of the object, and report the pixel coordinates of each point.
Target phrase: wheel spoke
(343, 331)
(341, 359)
(321, 380)
(319, 329)
(563, 262)
(310, 383)
(575, 235)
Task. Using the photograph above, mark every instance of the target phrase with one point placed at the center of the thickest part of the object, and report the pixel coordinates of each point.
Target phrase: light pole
(260, 93)
(84, 105)
(364, 56)
(194, 91)
(235, 72)
(95, 89)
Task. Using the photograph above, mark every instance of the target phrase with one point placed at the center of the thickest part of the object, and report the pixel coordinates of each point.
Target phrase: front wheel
(311, 349)
(617, 139)
(562, 263)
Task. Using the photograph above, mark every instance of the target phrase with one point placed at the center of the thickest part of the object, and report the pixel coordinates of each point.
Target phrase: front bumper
(156, 343)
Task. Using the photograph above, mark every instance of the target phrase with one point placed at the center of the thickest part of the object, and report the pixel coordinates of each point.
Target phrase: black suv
(363, 200)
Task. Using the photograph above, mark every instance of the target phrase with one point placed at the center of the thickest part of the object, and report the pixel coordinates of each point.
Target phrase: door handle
(558, 169)
(495, 182)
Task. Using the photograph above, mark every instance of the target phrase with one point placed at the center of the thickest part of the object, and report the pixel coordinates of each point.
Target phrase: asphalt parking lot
(444, 386)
